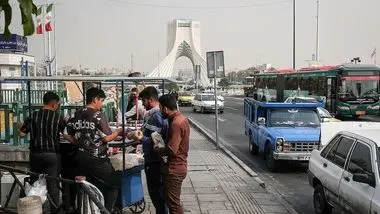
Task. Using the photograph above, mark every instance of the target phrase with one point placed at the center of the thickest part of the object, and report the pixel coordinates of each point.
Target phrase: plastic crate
(131, 186)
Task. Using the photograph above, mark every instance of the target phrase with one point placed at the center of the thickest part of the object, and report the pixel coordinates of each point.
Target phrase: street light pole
(294, 34)
(317, 42)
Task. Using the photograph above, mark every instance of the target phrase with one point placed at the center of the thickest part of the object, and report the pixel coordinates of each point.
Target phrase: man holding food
(153, 122)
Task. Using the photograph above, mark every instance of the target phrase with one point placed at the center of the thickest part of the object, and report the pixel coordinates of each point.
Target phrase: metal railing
(14, 109)
(16, 182)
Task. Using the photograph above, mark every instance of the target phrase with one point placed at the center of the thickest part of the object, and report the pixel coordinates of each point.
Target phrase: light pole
(317, 42)
(294, 34)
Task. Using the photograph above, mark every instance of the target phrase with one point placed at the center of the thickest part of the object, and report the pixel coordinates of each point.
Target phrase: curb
(211, 137)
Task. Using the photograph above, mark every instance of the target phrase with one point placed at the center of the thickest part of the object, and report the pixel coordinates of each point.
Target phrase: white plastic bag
(88, 206)
(131, 160)
(38, 188)
(158, 140)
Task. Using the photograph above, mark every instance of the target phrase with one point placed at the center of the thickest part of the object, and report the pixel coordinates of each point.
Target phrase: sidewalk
(216, 184)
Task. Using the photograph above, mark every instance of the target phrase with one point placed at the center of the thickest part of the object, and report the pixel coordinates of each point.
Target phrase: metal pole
(163, 87)
(49, 60)
(55, 47)
(216, 105)
(28, 88)
(317, 42)
(123, 120)
(22, 72)
(84, 93)
(294, 34)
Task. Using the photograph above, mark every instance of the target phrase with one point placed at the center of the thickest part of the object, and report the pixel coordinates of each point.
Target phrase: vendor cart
(131, 192)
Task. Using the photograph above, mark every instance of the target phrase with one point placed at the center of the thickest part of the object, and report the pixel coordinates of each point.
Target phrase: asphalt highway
(290, 181)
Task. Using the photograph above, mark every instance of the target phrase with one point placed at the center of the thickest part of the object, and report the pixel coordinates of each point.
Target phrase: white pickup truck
(345, 172)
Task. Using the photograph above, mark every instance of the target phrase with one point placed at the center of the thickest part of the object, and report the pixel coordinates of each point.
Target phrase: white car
(345, 173)
(301, 100)
(323, 113)
(205, 102)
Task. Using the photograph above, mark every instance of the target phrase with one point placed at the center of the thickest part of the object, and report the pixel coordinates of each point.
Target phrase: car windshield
(323, 113)
(305, 100)
(208, 97)
(365, 89)
(294, 117)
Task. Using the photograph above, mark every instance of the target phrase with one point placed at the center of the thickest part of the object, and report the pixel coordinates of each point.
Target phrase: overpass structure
(183, 37)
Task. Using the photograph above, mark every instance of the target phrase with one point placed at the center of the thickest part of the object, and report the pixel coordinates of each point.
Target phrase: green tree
(224, 82)
(172, 86)
(27, 9)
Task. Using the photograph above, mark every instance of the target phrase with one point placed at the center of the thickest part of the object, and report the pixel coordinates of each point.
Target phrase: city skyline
(105, 33)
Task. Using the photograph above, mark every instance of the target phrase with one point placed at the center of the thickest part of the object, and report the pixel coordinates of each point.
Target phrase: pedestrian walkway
(216, 184)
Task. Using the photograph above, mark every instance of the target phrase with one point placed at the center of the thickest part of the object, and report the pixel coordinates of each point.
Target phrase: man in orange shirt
(176, 151)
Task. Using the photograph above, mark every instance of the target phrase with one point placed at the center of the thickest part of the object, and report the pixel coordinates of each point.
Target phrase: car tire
(202, 110)
(194, 109)
(270, 162)
(321, 206)
(253, 148)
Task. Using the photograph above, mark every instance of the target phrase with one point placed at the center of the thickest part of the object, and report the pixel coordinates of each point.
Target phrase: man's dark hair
(134, 90)
(93, 93)
(49, 97)
(149, 92)
(169, 101)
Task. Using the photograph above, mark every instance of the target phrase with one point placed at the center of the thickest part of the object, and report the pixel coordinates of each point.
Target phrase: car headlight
(279, 143)
(376, 107)
(344, 107)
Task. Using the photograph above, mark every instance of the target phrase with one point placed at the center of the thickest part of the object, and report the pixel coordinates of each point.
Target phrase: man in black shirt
(45, 126)
(92, 132)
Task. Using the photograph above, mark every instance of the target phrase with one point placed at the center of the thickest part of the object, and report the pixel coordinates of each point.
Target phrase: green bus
(348, 90)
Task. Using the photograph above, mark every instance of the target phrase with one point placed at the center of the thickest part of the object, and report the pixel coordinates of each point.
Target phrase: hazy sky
(104, 33)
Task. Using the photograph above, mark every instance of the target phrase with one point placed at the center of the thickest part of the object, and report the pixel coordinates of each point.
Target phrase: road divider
(211, 136)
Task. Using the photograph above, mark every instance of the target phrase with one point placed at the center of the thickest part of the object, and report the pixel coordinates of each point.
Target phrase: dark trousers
(101, 173)
(172, 189)
(69, 171)
(47, 163)
(154, 181)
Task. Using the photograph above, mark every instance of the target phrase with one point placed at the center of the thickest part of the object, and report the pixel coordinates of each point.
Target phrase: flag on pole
(48, 17)
(39, 21)
(373, 53)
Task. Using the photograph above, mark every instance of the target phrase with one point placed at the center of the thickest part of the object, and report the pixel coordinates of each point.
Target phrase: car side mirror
(261, 121)
(364, 178)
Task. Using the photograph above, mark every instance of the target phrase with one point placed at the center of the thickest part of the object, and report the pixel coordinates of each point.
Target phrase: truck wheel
(202, 110)
(253, 148)
(194, 109)
(269, 160)
(321, 206)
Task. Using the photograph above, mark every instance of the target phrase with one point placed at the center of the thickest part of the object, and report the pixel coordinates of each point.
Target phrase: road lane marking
(235, 109)
(219, 118)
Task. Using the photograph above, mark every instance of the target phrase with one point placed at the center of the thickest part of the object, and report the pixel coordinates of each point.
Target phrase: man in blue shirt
(153, 122)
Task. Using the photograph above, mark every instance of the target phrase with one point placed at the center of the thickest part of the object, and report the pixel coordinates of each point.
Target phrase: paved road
(290, 181)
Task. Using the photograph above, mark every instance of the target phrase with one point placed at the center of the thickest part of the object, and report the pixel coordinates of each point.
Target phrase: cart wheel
(138, 207)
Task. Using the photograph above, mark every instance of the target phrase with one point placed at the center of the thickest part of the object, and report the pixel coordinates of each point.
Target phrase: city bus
(248, 86)
(348, 90)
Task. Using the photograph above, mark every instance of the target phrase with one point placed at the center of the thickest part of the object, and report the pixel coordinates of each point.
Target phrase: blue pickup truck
(282, 131)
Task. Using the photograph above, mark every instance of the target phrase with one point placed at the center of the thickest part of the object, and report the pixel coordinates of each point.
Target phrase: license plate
(360, 112)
